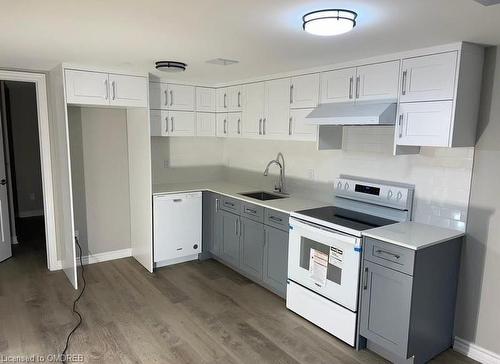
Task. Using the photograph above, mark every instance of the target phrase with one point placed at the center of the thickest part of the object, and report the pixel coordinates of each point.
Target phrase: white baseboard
(475, 352)
(99, 257)
(31, 213)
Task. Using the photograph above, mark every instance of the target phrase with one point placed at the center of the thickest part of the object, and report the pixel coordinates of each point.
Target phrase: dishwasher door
(177, 227)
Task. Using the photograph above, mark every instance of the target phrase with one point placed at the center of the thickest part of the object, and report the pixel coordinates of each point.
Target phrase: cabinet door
(221, 125)
(338, 85)
(205, 124)
(159, 122)
(158, 96)
(275, 272)
(425, 123)
(129, 91)
(276, 118)
(180, 97)
(86, 88)
(299, 128)
(304, 91)
(429, 78)
(385, 307)
(252, 247)
(377, 81)
(211, 223)
(255, 96)
(230, 243)
(221, 100)
(235, 98)
(205, 99)
(182, 123)
(234, 124)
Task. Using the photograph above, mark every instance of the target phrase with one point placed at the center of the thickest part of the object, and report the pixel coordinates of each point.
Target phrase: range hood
(354, 113)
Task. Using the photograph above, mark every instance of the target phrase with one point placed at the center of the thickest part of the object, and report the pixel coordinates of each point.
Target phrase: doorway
(26, 191)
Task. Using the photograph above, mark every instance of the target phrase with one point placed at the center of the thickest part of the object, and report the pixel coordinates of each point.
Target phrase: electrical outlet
(310, 174)
(166, 163)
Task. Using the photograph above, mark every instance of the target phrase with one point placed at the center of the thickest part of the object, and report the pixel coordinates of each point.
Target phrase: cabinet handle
(225, 128)
(113, 86)
(274, 218)
(236, 227)
(351, 81)
(358, 81)
(217, 201)
(365, 279)
(264, 126)
(260, 126)
(166, 98)
(225, 97)
(252, 211)
(172, 124)
(400, 125)
(239, 126)
(239, 98)
(290, 125)
(177, 200)
(227, 203)
(403, 82)
(166, 122)
(171, 97)
(381, 251)
(291, 94)
(107, 89)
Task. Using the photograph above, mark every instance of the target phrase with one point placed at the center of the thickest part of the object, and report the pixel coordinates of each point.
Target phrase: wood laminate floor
(198, 312)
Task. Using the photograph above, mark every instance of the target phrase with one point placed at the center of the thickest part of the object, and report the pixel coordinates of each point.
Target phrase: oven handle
(326, 229)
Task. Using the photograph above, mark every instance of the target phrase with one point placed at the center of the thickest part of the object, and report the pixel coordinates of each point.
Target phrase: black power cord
(80, 319)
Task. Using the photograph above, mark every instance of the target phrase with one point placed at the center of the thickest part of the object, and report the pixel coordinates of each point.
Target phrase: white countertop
(413, 235)
(286, 205)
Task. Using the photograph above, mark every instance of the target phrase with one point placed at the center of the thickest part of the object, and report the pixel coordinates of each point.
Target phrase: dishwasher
(177, 222)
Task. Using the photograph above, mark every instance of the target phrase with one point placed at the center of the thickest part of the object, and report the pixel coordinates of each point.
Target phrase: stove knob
(399, 196)
(389, 195)
(346, 186)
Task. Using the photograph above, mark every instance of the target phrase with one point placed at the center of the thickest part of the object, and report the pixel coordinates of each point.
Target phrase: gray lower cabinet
(275, 271)
(230, 238)
(252, 247)
(407, 306)
(210, 212)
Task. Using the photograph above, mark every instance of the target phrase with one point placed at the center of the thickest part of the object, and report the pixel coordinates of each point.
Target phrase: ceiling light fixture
(329, 21)
(170, 66)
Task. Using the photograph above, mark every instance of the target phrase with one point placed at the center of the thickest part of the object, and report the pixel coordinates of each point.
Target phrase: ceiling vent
(222, 61)
(488, 2)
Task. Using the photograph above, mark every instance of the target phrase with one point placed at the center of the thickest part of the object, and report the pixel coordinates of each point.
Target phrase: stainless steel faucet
(280, 162)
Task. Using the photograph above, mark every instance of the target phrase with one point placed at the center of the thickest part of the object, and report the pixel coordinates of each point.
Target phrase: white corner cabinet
(439, 98)
(166, 96)
(84, 87)
(172, 123)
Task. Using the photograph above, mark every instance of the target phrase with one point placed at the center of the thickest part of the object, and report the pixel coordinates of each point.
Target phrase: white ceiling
(266, 36)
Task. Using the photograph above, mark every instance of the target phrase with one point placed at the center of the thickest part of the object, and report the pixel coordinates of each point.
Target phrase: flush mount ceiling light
(329, 21)
(170, 66)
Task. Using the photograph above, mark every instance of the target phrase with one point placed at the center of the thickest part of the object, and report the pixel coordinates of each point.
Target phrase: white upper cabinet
(275, 124)
(180, 97)
(234, 98)
(158, 96)
(205, 124)
(377, 81)
(234, 124)
(338, 85)
(128, 90)
(299, 128)
(98, 88)
(182, 123)
(221, 101)
(254, 109)
(159, 123)
(429, 78)
(425, 123)
(205, 99)
(304, 91)
(221, 125)
(86, 88)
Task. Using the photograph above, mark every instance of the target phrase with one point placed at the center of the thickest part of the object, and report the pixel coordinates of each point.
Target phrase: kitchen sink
(262, 195)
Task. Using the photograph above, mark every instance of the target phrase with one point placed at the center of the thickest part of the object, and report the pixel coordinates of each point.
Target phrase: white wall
(99, 157)
(26, 147)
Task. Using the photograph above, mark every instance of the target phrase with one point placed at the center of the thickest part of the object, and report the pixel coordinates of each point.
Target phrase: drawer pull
(274, 218)
(252, 211)
(380, 251)
(177, 199)
(227, 203)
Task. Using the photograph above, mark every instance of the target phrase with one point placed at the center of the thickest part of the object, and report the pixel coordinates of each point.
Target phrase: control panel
(385, 194)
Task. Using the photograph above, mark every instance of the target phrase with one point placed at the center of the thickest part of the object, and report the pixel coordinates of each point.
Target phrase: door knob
(3, 181)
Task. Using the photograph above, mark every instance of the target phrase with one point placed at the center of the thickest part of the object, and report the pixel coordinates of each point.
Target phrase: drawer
(389, 255)
(277, 219)
(253, 212)
(230, 204)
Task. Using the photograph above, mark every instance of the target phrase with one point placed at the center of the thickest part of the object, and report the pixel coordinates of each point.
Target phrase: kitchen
(343, 193)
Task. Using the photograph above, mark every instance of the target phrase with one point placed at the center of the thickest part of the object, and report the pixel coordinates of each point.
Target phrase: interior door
(5, 237)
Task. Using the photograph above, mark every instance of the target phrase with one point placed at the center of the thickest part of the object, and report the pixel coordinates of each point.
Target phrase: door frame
(39, 79)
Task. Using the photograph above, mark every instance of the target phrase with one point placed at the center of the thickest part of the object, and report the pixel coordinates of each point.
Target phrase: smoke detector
(170, 66)
(222, 61)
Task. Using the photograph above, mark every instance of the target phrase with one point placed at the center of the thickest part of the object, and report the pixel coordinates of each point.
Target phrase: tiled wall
(441, 175)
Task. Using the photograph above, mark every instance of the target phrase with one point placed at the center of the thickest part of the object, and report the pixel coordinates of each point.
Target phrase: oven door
(325, 261)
